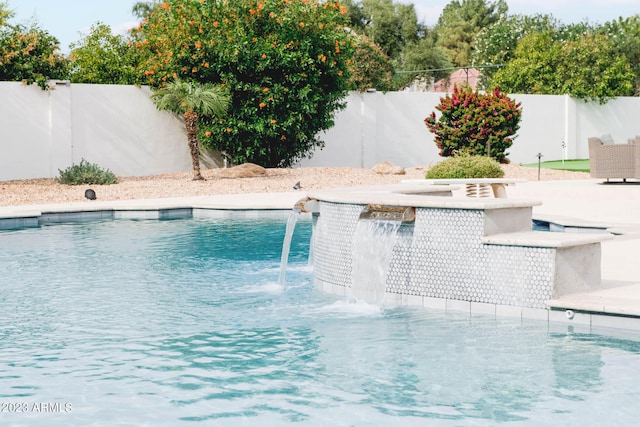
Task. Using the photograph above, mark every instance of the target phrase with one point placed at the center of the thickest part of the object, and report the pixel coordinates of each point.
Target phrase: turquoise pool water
(183, 323)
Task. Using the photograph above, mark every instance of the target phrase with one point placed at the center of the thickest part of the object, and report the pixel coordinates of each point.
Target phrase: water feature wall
(457, 251)
(373, 246)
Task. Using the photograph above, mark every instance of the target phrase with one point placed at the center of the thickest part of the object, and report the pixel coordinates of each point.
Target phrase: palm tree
(192, 100)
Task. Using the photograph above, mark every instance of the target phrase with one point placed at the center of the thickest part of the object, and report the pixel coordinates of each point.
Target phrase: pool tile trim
(36, 219)
(559, 317)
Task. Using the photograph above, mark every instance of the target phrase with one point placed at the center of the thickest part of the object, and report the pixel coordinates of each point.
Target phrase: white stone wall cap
(545, 239)
(445, 181)
(399, 195)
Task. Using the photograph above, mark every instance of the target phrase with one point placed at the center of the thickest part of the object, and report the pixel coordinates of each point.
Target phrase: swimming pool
(183, 322)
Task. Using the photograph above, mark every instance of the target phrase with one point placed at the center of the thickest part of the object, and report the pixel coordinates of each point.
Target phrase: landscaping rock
(388, 168)
(245, 170)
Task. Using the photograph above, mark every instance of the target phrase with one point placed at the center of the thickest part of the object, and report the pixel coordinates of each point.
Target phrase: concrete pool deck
(592, 203)
(574, 203)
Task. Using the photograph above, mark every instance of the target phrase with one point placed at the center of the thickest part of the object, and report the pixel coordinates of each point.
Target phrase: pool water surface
(183, 323)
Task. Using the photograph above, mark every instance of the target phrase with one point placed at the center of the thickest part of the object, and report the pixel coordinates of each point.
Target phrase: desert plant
(466, 167)
(476, 123)
(86, 173)
(192, 100)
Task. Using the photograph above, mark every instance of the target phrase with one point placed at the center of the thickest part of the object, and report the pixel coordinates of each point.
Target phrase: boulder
(388, 168)
(245, 170)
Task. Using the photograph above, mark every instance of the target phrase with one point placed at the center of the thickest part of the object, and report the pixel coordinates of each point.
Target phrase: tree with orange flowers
(29, 53)
(285, 64)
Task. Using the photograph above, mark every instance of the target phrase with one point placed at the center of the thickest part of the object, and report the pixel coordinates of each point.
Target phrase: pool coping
(246, 201)
(426, 196)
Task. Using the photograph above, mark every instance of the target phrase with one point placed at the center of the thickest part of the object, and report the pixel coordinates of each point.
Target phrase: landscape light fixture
(539, 155)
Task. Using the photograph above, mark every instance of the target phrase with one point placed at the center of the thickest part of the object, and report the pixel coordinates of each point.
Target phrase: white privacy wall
(26, 142)
(119, 128)
(378, 127)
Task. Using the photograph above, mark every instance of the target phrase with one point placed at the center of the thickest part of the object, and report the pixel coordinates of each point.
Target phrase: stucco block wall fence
(116, 126)
(378, 127)
(119, 128)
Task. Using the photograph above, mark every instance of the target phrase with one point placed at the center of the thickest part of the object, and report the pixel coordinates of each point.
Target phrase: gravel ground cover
(38, 191)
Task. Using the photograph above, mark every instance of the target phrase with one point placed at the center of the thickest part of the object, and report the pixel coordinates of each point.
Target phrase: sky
(68, 19)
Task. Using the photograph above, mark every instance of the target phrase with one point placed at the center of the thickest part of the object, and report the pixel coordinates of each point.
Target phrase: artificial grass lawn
(580, 165)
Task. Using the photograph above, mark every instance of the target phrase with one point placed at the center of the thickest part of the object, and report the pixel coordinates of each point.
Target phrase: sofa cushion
(607, 139)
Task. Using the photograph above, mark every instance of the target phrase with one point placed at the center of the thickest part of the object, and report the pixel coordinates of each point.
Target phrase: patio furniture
(614, 161)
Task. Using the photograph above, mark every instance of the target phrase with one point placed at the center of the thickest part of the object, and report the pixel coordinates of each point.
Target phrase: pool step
(576, 257)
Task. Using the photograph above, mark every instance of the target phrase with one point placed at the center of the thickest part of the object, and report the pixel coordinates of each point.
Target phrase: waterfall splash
(286, 245)
(373, 244)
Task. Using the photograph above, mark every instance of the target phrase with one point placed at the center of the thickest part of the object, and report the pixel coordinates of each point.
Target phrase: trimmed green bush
(466, 167)
(86, 173)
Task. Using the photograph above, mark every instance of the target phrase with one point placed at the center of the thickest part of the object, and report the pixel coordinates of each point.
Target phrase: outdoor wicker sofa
(614, 161)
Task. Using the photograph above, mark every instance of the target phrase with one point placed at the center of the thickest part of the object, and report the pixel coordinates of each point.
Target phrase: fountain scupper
(399, 245)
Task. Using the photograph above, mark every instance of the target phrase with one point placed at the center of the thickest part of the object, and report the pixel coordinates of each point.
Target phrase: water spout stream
(286, 245)
(372, 251)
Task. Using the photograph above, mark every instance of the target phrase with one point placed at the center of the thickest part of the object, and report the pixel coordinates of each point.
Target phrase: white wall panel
(119, 128)
(554, 125)
(25, 131)
(345, 139)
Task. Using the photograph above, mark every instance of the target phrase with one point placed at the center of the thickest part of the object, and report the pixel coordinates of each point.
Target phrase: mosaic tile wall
(441, 255)
(332, 242)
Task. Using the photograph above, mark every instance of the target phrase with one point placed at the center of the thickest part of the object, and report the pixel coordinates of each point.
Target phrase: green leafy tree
(625, 33)
(475, 123)
(595, 70)
(422, 55)
(192, 100)
(540, 54)
(573, 31)
(5, 13)
(407, 43)
(370, 67)
(143, 9)
(459, 24)
(285, 63)
(30, 54)
(495, 44)
(390, 25)
(357, 18)
(104, 58)
(588, 68)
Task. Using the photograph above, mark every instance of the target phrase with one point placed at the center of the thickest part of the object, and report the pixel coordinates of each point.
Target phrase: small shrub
(466, 167)
(475, 122)
(86, 173)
